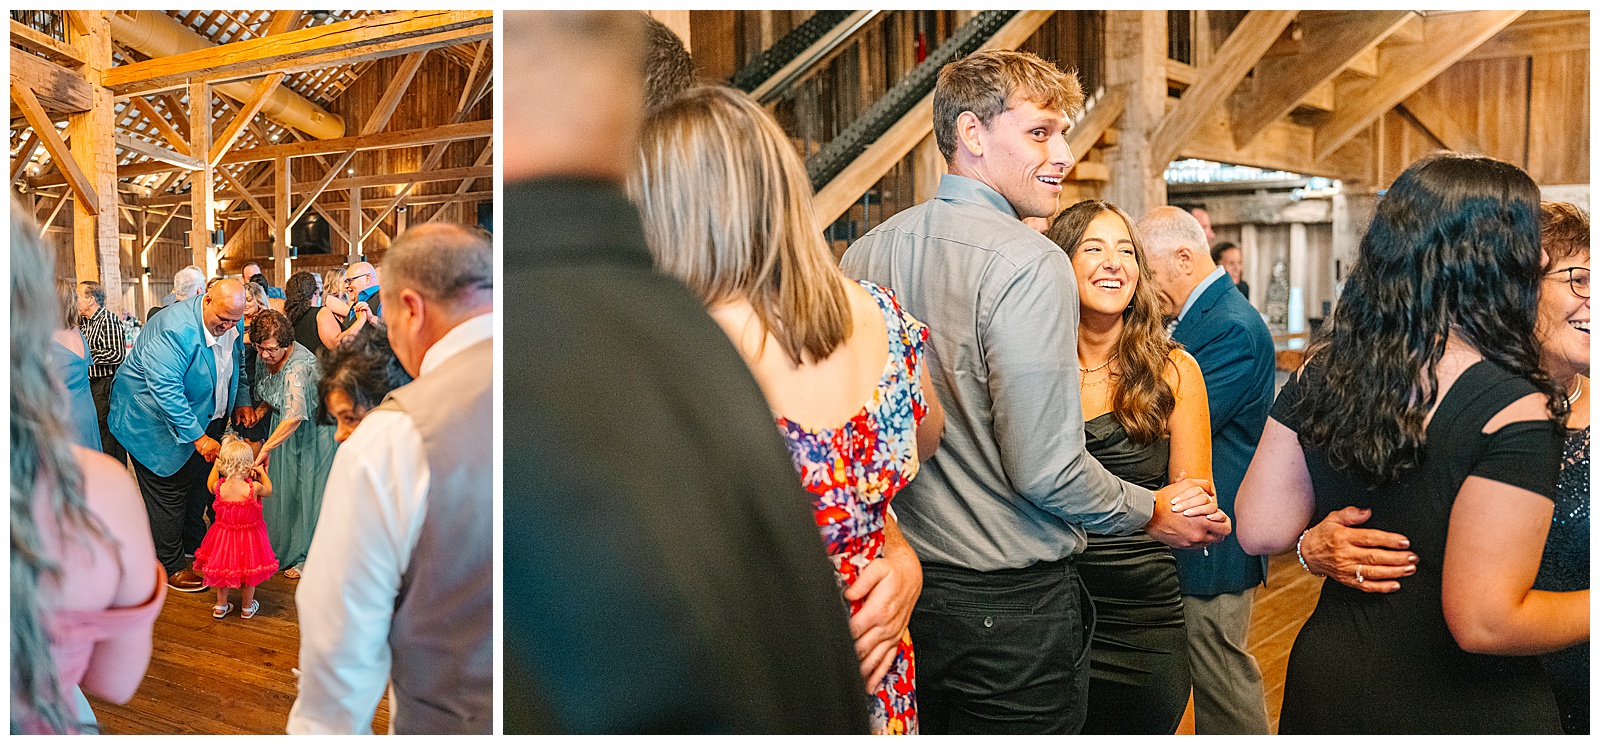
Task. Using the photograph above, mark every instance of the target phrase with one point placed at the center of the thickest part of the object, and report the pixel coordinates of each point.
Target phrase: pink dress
(236, 551)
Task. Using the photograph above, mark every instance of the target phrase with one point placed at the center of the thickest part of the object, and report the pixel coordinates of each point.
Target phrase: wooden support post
(355, 233)
(280, 238)
(203, 210)
(1253, 270)
(95, 246)
(1137, 43)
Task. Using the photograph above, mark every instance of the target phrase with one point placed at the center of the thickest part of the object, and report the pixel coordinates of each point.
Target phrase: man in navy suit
(169, 405)
(1227, 337)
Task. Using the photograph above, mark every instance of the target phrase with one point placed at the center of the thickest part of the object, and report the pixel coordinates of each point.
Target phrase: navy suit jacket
(1235, 352)
(163, 395)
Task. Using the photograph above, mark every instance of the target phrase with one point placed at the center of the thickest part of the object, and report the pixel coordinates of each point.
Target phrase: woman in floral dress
(727, 209)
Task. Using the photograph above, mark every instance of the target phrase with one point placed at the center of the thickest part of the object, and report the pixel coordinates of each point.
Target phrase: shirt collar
(955, 188)
(1199, 290)
(458, 339)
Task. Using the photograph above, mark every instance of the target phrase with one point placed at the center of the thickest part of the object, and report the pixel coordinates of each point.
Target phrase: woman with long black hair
(1425, 403)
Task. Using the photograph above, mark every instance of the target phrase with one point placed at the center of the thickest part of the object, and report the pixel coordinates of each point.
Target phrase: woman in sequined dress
(1564, 334)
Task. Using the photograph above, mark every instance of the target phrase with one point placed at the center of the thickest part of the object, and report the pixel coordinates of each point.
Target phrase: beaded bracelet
(1301, 556)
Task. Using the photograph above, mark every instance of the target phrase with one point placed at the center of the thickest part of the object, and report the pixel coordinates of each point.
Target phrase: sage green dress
(299, 467)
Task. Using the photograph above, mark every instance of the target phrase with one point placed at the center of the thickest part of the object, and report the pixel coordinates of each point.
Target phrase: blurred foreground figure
(662, 570)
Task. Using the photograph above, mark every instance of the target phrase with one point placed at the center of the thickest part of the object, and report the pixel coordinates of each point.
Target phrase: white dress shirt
(222, 352)
(372, 512)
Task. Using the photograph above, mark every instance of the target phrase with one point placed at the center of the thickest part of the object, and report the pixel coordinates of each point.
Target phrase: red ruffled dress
(236, 551)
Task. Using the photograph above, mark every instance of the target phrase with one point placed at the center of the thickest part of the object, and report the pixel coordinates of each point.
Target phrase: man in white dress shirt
(399, 587)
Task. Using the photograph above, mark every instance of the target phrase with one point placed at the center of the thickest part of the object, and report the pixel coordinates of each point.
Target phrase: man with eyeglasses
(169, 406)
(361, 282)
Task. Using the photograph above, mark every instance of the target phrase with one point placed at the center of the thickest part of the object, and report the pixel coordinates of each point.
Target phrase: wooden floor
(1281, 608)
(235, 676)
(232, 676)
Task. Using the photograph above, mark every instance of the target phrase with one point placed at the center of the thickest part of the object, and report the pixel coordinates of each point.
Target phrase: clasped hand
(1187, 515)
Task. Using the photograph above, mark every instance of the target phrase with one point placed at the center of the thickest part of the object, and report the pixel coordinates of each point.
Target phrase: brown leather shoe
(186, 580)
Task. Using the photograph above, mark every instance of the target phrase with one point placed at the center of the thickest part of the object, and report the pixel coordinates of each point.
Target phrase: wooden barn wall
(169, 254)
(1529, 111)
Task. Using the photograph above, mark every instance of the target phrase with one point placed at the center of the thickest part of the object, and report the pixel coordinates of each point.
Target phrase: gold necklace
(1102, 365)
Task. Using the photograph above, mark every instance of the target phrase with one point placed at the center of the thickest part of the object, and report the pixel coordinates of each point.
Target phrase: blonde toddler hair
(236, 457)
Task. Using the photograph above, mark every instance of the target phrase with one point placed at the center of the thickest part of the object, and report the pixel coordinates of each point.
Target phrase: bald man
(169, 405)
(361, 282)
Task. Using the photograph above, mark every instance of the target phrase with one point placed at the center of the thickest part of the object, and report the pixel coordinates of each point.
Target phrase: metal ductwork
(157, 34)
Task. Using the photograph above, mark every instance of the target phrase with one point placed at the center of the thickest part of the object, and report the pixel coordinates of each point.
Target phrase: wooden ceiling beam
(176, 110)
(381, 179)
(75, 178)
(1330, 42)
(1439, 123)
(157, 152)
(1403, 69)
(393, 93)
(238, 191)
(382, 140)
(1094, 123)
(241, 119)
(342, 43)
(1527, 38)
(1243, 49)
(34, 40)
(466, 183)
(25, 155)
(57, 88)
(161, 124)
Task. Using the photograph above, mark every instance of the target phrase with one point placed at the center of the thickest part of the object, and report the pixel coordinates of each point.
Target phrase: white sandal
(221, 611)
(250, 612)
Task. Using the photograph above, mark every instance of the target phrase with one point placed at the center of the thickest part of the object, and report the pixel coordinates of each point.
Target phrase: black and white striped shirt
(106, 350)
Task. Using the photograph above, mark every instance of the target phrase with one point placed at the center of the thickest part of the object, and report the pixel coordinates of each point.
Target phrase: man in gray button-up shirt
(997, 513)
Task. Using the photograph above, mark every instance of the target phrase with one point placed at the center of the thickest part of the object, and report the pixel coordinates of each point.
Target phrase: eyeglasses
(348, 281)
(265, 352)
(1577, 279)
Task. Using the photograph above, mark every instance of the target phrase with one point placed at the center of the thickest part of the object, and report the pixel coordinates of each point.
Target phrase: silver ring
(1360, 579)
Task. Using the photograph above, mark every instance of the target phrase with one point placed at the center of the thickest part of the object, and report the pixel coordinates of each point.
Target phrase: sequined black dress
(1565, 568)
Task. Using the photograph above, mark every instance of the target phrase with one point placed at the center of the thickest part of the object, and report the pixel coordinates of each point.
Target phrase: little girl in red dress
(236, 552)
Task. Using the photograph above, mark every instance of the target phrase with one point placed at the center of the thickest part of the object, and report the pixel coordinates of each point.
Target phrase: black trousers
(1003, 652)
(177, 505)
(100, 388)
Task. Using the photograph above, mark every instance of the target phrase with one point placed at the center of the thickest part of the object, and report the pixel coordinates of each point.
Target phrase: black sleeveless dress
(1139, 659)
(1368, 663)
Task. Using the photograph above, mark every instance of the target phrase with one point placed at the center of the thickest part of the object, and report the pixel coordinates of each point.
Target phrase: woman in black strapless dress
(1425, 404)
(1148, 423)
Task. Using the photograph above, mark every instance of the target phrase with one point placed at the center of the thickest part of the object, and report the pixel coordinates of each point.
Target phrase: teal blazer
(164, 393)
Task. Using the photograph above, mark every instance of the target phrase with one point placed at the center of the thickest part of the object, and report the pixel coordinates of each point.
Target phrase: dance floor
(235, 676)
(231, 676)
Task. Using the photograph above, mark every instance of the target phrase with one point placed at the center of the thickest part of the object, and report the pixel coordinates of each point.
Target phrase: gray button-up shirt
(1011, 484)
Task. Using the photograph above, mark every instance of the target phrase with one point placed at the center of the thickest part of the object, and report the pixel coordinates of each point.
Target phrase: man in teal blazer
(1234, 349)
(169, 406)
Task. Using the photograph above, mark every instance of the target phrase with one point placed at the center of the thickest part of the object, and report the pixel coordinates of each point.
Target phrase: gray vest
(442, 637)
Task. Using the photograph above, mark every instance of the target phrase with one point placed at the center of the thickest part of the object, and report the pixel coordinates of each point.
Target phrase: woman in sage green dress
(299, 452)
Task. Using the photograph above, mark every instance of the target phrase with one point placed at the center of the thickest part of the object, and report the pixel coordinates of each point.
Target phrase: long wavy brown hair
(1141, 398)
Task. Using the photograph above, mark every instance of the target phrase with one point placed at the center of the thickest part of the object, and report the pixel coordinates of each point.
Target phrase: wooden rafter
(1331, 42)
(1405, 69)
(1087, 131)
(25, 155)
(157, 152)
(240, 191)
(241, 119)
(343, 43)
(472, 76)
(46, 129)
(1441, 125)
(161, 124)
(37, 41)
(382, 140)
(466, 183)
(1243, 49)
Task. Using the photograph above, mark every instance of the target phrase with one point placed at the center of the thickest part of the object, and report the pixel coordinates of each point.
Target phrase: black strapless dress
(1139, 661)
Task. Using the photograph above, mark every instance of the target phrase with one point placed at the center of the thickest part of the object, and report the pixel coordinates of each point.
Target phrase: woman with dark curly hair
(356, 375)
(1424, 402)
(1147, 421)
(302, 301)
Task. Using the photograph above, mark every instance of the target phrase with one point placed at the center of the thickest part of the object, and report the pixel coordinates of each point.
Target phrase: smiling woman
(1147, 421)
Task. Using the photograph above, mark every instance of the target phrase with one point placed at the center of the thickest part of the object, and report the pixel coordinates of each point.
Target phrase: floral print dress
(852, 471)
